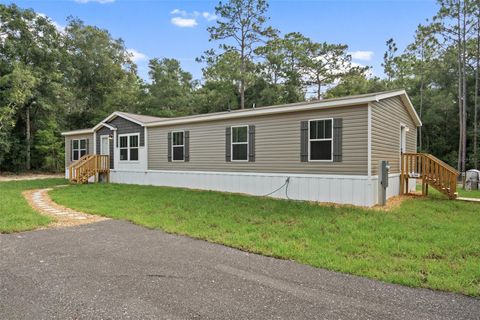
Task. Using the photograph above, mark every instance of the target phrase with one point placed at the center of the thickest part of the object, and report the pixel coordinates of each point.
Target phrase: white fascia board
(104, 121)
(411, 110)
(129, 119)
(103, 124)
(113, 115)
(77, 132)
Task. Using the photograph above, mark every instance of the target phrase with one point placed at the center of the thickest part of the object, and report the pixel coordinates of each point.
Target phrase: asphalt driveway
(117, 270)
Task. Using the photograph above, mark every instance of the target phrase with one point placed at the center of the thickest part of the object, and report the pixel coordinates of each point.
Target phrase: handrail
(91, 165)
(447, 166)
(431, 170)
(78, 161)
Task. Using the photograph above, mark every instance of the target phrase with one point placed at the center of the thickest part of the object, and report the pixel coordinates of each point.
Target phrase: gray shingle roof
(141, 118)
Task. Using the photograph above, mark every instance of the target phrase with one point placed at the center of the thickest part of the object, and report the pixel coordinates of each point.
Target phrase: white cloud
(137, 56)
(189, 19)
(362, 55)
(183, 13)
(209, 16)
(184, 22)
(98, 1)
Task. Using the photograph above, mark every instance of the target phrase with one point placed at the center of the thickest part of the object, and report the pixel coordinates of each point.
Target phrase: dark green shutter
(304, 141)
(228, 133)
(169, 147)
(71, 150)
(187, 146)
(86, 146)
(251, 143)
(337, 139)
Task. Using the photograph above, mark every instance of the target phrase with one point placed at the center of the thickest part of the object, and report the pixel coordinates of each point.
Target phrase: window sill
(327, 161)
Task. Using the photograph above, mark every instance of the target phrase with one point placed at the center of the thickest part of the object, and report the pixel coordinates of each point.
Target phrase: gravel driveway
(117, 270)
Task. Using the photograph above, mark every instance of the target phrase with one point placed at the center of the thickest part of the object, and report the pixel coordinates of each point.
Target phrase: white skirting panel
(342, 189)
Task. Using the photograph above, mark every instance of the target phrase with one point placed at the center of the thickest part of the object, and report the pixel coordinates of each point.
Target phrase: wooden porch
(431, 170)
(90, 165)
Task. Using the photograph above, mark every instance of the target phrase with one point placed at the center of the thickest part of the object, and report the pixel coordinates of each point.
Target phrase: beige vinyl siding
(387, 117)
(68, 146)
(277, 144)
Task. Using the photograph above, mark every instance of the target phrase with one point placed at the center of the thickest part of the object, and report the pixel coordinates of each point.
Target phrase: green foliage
(284, 64)
(215, 96)
(241, 26)
(171, 87)
(324, 64)
(430, 242)
(52, 81)
(101, 74)
(354, 82)
(50, 147)
(17, 89)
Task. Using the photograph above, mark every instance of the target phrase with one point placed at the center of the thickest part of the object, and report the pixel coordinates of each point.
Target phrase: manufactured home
(326, 151)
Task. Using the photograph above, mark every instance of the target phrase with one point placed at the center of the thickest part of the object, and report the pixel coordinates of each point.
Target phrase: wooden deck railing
(431, 170)
(88, 166)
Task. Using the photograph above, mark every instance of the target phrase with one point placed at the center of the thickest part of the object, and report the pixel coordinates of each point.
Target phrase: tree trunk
(242, 72)
(464, 89)
(27, 137)
(242, 94)
(319, 89)
(420, 140)
(460, 104)
(475, 112)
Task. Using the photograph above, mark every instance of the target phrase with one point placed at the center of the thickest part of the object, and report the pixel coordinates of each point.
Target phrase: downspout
(145, 145)
(94, 142)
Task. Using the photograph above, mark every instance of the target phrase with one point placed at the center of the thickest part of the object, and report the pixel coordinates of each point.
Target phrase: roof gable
(135, 118)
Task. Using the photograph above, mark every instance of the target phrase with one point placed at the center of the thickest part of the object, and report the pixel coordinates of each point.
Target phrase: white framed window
(178, 146)
(79, 148)
(320, 140)
(239, 143)
(128, 145)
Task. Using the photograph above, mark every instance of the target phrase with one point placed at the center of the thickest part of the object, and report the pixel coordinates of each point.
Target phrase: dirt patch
(395, 202)
(40, 201)
(29, 176)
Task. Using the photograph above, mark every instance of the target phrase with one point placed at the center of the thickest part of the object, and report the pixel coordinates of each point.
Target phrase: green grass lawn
(461, 192)
(468, 194)
(427, 242)
(15, 213)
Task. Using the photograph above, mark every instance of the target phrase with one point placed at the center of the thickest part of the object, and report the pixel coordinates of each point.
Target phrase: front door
(104, 145)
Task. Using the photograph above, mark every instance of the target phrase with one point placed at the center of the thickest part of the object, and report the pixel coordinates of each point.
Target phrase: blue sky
(177, 29)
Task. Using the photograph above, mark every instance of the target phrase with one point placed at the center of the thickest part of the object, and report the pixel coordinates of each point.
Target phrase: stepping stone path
(41, 202)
